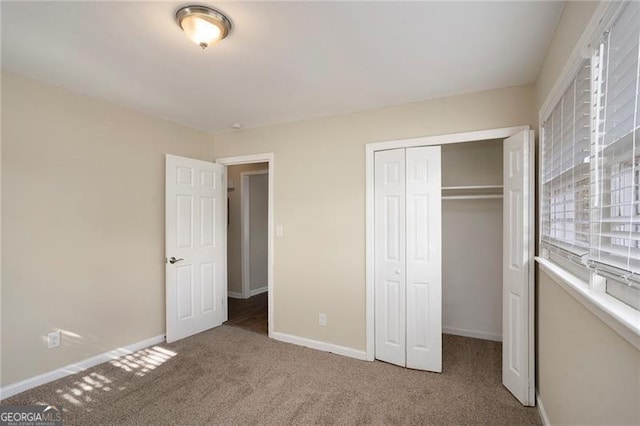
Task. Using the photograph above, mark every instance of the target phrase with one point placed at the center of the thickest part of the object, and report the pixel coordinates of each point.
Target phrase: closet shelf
(471, 187)
(470, 197)
(472, 192)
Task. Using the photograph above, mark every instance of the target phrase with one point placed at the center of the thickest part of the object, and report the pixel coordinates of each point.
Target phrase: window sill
(620, 317)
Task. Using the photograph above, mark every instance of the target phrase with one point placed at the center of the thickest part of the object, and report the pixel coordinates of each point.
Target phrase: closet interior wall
(472, 241)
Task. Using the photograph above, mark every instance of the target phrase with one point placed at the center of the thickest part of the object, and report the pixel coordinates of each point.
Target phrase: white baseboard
(321, 346)
(257, 291)
(541, 411)
(470, 333)
(16, 388)
(234, 295)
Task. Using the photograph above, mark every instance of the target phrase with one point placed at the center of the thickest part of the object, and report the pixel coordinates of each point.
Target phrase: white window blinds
(615, 216)
(566, 167)
(590, 194)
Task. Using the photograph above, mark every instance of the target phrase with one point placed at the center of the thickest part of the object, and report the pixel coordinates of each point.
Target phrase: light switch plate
(279, 231)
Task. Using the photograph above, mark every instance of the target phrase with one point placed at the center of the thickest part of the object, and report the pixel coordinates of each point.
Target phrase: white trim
(257, 291)
(479, 135)
(235, 295)
(370, 150)
(266, 157)
(369, 253)
(541, 411)
(321, 346)
(245, 233)
(77, 367)
(254, 292)
(623, 319)
(531, 239)
(602, 18)
(471, 333)
(245, 264)
(262, 158)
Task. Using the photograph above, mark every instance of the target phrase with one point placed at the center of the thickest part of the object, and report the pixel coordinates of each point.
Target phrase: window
(590, 195)
(565, 169)
(615, 240)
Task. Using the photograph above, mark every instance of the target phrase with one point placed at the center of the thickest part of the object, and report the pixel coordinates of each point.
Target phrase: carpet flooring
(231, 376)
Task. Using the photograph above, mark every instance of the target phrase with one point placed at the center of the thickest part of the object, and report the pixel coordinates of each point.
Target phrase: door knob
(173, 260)
(397, 271)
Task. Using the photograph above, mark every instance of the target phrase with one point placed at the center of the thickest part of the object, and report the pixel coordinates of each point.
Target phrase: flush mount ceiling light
(203, 25)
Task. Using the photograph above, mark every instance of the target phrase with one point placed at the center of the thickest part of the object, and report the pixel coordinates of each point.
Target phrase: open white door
(408, 264)
(517, 293)
(196, 234)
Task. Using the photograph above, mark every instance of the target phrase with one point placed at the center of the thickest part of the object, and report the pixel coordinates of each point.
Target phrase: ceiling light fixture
(203, 25)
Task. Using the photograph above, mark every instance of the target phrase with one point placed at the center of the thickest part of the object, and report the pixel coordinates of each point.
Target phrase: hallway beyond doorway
(249, 314)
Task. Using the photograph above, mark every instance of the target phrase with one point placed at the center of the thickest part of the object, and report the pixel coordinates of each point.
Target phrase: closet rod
(469, 197)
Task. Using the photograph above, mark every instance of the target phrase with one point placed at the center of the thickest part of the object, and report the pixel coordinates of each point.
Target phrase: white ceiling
(284, 61)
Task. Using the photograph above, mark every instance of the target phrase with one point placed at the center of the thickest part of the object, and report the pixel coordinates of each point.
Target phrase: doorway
(250, 242)
(247, 246)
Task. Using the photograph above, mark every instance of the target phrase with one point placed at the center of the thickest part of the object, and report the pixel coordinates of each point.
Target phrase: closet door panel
(517, 293)
(424, 259)
(390, 243)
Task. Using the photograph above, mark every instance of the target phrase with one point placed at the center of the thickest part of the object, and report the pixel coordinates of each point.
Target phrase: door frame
(245, 230)
(370, 149)
(269, 158)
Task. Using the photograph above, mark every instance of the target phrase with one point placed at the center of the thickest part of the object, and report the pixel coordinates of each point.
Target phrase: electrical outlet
(53, 339)
(279, 231)
(322, 320)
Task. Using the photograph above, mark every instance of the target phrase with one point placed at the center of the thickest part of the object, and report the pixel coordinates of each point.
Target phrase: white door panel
(424, 259)
(517, 298)
(196, 237)
(390, 328)
(408, 258)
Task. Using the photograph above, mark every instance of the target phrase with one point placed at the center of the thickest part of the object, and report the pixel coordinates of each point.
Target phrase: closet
(452, 249)
(472, 197)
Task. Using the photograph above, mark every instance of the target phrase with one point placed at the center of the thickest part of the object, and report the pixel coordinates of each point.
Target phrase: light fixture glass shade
(203, 25)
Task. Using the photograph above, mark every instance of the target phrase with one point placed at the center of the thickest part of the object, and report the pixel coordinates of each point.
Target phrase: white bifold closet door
(408, 260)
(518, 356)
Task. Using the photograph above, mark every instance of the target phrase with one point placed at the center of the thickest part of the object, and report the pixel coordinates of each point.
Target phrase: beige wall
(234, 241)
(83, 224)
(574, 19)
(258, 232)
(319, 198)
(586, 373)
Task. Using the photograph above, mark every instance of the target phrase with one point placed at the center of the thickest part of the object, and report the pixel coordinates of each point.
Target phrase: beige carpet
(232, 376)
